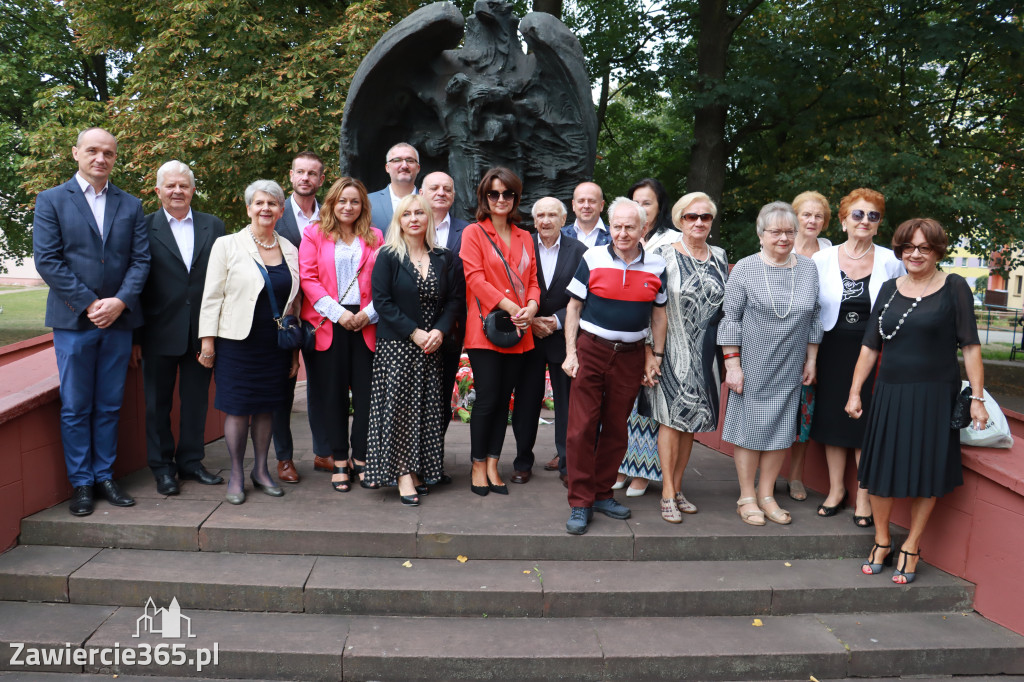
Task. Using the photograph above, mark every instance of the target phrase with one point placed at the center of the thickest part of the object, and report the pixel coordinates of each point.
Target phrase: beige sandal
(754, 518)
(670, 512)
(780, 515)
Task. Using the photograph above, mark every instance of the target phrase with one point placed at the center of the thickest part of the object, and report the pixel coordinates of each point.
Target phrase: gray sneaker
(578, 520)
(612, 508)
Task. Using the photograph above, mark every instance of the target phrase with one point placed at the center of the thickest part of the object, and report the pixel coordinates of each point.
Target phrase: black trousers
(159, 373)
(449, 368)
(494, 378)
(549, 353)
(282, 424)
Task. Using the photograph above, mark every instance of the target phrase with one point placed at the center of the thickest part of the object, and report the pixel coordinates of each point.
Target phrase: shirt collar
(183, 221)
(447, 219)
(615, 256)
(297, 211)
(84, 184)
(600, 225)
(558, 242)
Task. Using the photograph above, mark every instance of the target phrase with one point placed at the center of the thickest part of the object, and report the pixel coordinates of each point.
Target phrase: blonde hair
(817, 197)
(684, 203)
(395, 239)
(329, 224)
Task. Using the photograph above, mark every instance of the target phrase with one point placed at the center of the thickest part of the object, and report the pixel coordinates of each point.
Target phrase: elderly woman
(919, 319)
(849, 278)
(771, 316)
(812, 214)
(336, 258)
(685, 398)
(238, 333)
(501, 274)
(416, 291)
(641, 460)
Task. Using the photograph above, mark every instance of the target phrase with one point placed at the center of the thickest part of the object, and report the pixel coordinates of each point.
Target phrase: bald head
(587, 204)
(95, 152)
(548, 217)
(439, 190)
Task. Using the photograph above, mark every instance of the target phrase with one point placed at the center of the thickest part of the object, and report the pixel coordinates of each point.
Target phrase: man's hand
(136, 357)
(544, 326)
(103, 312)
(571, 365)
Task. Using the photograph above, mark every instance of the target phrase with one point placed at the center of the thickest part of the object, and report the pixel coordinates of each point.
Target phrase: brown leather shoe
(521, 477)
(286, 472)
(323, 464)
(552, 465)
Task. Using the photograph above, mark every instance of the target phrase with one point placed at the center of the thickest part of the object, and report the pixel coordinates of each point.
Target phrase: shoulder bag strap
(270, 292)
(508, 271)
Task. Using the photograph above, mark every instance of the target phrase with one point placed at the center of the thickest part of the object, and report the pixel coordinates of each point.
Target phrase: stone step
(445, 587)
(84, 677)
(335, 647)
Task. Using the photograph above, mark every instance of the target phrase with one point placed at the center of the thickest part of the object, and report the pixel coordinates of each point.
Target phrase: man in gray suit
(180, 240)
(301, 209)
(402, 164)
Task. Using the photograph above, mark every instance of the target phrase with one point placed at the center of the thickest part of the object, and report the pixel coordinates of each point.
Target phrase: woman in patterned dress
(771, 316)
(685, 398)
(416, 294)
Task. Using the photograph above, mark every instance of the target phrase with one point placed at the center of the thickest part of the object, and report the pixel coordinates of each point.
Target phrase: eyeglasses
(908, 249)
(692, 217)
(858, 215)
(779, 234)
(507, 195)
(403, 159)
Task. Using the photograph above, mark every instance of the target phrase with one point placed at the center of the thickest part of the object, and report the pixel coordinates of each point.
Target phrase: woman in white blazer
(239, 334)
(850, 276)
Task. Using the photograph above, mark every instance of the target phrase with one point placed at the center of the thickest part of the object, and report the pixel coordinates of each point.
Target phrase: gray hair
(562, 210)
(387, 157)
(177, 168)
(267, 187)
(641, 212)
(775, 213)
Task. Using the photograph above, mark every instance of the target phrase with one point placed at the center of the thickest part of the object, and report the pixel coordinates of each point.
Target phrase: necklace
(768, 286)
(765, 258)
(888, 337)
(704, 277)
(846, 250)
(690, 253)
(259, 243)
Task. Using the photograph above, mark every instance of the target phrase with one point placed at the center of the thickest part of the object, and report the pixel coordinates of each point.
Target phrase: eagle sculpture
(484, 105)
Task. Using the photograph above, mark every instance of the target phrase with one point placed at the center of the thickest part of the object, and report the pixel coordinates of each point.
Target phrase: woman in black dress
(238, 331)
(909, 448)
(417, 294)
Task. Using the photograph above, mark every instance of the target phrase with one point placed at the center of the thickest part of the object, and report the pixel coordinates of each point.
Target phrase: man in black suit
(300, 210)
(180, 240)
(558, 256)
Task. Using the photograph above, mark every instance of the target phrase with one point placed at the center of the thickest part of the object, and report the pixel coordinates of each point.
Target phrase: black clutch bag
(961, 410)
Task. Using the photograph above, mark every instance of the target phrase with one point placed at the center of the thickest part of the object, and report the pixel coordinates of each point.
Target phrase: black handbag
(292, 333)
(961, 410)
(498, 326)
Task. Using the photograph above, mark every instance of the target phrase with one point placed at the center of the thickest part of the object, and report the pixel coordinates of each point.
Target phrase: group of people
(638, 322)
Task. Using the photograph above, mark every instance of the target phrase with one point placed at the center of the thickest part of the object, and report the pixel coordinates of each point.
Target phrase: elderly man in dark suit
(300, 210)
(90, 245)
(402, 164)
(179, 242)
(558, 256)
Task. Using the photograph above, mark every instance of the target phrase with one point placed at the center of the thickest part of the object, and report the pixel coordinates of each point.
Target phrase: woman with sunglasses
(501, 274)
(850, 276)
(910, 450)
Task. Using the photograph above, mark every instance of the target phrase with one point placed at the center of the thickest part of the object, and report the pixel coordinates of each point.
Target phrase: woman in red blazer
(488, 287)
(336, 258)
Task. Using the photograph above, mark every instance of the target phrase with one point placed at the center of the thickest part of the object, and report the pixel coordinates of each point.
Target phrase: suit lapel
(201, 229)
(78, 199)
(162, 233)
(113, 202)
(540, 266)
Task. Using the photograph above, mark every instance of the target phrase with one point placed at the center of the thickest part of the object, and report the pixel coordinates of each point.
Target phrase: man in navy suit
(180, 240)
(439, 190)
(558, 256)
(402, 164)
(90, 244)
(587, 204)
(301, 209)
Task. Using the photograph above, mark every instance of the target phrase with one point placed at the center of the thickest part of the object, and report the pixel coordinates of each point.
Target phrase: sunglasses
(908, 249)
(858, 215)
(692, 217)
(507, 195)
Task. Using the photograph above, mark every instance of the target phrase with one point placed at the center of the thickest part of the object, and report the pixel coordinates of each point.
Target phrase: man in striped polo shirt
(617, 294)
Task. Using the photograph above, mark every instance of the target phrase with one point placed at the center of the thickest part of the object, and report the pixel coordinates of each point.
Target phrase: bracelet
(207, 357)
(980, 400)
(729, 356)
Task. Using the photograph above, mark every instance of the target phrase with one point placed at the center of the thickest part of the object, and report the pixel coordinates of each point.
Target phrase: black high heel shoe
(272, 490)
(410, 500)
(870, 568)
(341, 486)
(497, 489)
(357, 470)
(901, 571)
(824, 511)
(422, 489)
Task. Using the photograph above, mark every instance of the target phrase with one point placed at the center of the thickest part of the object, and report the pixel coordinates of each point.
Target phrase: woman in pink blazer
(336, 258)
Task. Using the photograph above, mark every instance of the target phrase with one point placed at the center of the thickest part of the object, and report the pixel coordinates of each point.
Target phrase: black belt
(617, 346)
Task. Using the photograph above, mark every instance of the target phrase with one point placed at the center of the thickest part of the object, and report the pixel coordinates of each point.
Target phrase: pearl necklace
(768, 286)
(846, 250)
(701, 272)
(259, 243)
(907, 313)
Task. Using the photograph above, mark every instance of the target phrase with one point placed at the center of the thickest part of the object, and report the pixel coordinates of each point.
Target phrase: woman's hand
(853, 406)
(434, 340)
(207, 352)
(421, 338)
(347, 320)
(294, 369)
(652, 368)
(359, 320)
(810, 373)
(979, 416)
(524, 317)
(734, 377)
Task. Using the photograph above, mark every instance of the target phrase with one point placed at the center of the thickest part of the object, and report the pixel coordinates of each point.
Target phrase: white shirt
(442, 231)
(97, 201)
(301, 221)
(548, 259)
(589, 239)
(185, 235)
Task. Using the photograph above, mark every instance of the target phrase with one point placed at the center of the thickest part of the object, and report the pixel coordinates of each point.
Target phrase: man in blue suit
(587, 204)
(402, 165)
(91, 248)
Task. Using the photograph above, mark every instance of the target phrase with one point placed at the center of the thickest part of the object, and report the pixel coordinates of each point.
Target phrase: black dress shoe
(114, 495)
(201, 475)
(166, 485)
(81, 501)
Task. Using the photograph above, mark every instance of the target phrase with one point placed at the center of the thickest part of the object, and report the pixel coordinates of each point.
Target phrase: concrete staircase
(325, 586)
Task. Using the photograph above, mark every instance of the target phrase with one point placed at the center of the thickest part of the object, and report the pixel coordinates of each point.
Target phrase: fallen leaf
(527, 572)
(757, 623)
(814, 679)
(461, 559)
(407, 564)
(788, 565)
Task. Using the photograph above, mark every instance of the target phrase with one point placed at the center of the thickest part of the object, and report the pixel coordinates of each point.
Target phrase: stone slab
(40, 572)
(199, 580)
(249, 645)
(958, 643)
(49, 626)
(151, 524)
(434, 587)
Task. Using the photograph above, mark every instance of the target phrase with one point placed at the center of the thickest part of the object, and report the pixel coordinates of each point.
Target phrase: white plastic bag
(996, 433)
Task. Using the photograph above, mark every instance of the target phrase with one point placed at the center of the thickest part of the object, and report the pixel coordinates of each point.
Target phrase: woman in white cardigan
(850, 276)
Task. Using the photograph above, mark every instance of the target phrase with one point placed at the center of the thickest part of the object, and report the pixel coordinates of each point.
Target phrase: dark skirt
(837, 356)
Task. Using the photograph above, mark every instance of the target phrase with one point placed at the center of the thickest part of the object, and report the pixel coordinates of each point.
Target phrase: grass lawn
(22, 316)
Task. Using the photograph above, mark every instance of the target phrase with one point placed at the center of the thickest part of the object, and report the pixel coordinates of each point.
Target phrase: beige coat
(233, 282)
